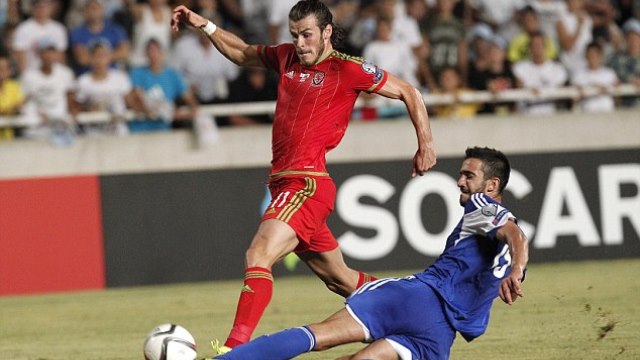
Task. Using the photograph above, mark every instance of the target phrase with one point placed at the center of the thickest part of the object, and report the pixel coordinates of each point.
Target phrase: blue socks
(285, 344)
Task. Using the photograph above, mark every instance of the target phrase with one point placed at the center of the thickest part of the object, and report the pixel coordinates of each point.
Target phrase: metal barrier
(268, 107)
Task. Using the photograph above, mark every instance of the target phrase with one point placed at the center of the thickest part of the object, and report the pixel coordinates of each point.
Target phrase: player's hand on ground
(424, 160)
(183, 14)
(511, 287)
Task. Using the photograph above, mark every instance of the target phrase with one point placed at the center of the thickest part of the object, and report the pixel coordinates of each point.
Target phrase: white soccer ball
(170, 342)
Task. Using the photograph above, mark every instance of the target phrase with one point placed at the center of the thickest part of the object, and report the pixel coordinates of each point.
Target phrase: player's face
(309, 40)
(471, 179)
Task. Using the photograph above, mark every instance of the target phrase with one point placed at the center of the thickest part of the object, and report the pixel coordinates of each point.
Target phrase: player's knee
(262, 256)
(257, 257)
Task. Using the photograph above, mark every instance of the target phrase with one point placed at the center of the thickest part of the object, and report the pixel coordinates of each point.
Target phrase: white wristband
(209, 29)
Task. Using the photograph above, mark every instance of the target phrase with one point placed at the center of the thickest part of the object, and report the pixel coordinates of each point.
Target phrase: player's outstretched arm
(511, 286)
(395, 88)
(229, 45)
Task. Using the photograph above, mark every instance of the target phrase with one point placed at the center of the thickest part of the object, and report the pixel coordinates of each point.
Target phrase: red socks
(364, 278)
(254, 298)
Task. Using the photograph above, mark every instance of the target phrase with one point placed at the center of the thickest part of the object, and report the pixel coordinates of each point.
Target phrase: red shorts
(304, 204)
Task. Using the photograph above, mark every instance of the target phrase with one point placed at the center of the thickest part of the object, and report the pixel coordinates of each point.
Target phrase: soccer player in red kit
(317, 91)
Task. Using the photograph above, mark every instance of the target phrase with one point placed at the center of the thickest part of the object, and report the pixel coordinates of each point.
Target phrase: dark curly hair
(323, 16)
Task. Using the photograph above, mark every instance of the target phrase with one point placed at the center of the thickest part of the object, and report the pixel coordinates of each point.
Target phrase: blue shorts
(407, 313)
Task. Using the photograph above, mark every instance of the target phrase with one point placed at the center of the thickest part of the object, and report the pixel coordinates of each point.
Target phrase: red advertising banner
(51, 235)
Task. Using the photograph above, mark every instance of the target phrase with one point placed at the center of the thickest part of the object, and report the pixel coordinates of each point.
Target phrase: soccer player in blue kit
(416, 317)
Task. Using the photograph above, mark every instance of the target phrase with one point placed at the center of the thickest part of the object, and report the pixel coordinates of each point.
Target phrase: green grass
(583, 310)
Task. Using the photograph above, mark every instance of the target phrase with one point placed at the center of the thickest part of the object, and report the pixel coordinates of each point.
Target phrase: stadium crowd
(61, 58)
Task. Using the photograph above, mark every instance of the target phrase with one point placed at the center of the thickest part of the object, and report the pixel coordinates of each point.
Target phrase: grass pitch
(582, 310)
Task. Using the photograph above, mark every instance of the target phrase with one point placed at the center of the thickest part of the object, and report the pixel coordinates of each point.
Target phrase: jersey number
(280, 200)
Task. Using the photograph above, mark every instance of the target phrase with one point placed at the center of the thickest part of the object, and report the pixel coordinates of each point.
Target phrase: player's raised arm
(229, 45)
(511, 286)
(396, 88)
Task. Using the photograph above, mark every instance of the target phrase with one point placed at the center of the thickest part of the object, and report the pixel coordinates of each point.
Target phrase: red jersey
(314, 106)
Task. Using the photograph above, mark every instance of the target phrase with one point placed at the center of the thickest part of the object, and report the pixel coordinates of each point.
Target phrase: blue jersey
(467, 275)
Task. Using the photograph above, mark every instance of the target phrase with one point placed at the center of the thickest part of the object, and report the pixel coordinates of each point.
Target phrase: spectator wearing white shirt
(388, 54)
(279, 21)
(29, 32)
(404, 29)
(538, 73)
(499, 14)
(152, 21)
(104, 88)
(574, 34)
(48, 90)
(206, 70)
(597, 75)
(550, 12)
(392, 57)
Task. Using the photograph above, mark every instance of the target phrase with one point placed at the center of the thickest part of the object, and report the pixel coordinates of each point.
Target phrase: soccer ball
(170, 342)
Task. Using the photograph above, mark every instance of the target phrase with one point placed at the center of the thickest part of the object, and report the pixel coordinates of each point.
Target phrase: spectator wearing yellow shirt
(11, 97)
(450, 82)
(519, 45)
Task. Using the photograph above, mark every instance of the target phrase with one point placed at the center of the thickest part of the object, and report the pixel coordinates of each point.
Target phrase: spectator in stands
(206, 70)
(364, 27)
(58, 7)
(279, 21)
(539, 73)
(479, 37)
(75, 14)
(392, 56)
(550, 12)
(9, 15)
(500, 15)
(519, 45)
(97, 28)
(605, 30)
(418, 10)
(388, 54)
(497, 76)
(255, 21)
(104, 88)
(152, 21)
(596, 75)
(253, 84)
(345, 12)
(48, 90)
(626, 10)
(447, 43)
(574, 34)
(11, 97)
(404, 29)
(29, 32)
(450, 82)
(626, 63)
(212, 9)
(157, 88)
